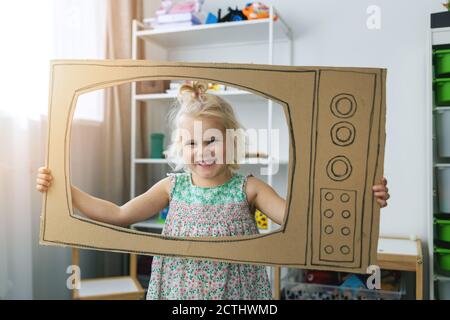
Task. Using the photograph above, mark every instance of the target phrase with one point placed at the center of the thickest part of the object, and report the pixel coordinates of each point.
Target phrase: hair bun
(194, 91)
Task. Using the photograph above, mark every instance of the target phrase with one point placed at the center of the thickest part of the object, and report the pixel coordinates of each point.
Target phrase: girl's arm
(138, 209)
(265, 199)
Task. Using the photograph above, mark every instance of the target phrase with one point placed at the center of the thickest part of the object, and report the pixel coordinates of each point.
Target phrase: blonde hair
(195, 102)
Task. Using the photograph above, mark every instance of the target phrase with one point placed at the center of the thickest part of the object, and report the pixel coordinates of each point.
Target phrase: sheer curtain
(33, 33)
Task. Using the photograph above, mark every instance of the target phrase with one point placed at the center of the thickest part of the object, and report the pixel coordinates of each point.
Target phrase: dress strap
(173, 181)
(244, 185)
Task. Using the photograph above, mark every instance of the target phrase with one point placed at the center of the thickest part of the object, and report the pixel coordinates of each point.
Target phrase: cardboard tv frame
(336, 122)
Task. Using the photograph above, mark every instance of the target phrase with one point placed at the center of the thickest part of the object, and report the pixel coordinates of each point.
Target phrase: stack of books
(174, 20)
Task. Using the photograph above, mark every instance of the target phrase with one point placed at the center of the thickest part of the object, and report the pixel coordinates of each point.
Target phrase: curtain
(120, 14)
(47, 29)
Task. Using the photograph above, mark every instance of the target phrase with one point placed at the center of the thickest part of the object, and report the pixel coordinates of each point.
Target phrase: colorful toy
(320, 277)
(261, 220)
(232, 15)
(163, 214)
(211, 18)
(256, 10)
(353, 281)
(447, 5)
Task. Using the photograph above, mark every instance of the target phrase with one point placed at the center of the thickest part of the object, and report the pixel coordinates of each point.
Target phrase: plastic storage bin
(443, 287)
(157, 145)
(443, 179)
(442, 91)
(443, 229)
(443, 132)
(443, 258)
(307, 291)
(441, 62)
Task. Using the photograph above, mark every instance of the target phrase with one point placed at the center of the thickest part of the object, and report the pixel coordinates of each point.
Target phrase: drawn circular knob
(329, 229)
(328, 213)
(346, 214)
(345, 231)
(345, 197)
(343, 133)
(329, 196)
(345, 249)
(329, 249)
(343, 105)
(339, 168)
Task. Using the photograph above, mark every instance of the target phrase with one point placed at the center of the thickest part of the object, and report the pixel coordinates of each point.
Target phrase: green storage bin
(442, 91)
(443, 258)
(157, 145)
(443, 229)
(441, 62)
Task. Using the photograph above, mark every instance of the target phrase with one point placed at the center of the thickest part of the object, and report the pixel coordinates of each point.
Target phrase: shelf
(441, 278)
(225, 93)
(442, 165)
(438, 109)
(148, 224)
(216, 34)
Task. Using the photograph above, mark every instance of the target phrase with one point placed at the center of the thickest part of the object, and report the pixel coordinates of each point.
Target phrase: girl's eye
(190, 143)
(213, 139)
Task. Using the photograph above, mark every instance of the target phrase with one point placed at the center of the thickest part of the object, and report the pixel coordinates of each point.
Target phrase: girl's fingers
(381, 195)
(382, 203)
(45, 176)
(384, 181)
(380, 187)
(44, 170)
(41, 188)
(43, 182)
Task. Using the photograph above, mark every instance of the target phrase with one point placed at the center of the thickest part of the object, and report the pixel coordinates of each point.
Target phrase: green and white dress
(207, 211)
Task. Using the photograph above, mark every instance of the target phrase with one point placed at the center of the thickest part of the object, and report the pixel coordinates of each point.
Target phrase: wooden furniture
(393, 254)
(109, 288)
(402, 255)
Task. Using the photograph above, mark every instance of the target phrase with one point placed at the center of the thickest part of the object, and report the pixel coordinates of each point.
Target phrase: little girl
(207, 199)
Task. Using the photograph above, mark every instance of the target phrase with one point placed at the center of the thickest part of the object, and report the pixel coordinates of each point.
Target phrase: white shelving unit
(247, 33)
(437, 37)
(250, 32)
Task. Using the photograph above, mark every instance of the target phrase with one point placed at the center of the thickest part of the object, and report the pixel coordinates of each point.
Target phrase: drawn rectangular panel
(345, 109)
(338, 218)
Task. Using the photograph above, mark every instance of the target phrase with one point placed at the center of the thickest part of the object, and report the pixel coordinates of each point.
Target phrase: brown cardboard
(336, 120)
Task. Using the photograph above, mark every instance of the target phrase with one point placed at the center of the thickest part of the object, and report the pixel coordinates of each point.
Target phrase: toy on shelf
(232, 15)
(320, 277)
(261, 220)
(156, 145)
(447, 5)
(353, 281)
(211, 18)
(163, 215)
(256, 10)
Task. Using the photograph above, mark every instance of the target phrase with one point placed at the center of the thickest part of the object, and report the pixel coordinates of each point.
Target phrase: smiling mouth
(206, 163)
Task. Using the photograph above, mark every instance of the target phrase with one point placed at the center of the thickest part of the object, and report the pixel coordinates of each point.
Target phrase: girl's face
(204, 147)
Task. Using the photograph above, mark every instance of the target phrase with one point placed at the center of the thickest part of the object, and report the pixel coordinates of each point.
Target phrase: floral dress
(207, 211)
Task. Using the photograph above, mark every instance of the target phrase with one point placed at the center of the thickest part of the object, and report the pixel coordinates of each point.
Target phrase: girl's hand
(44, 179)
(380, 191)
